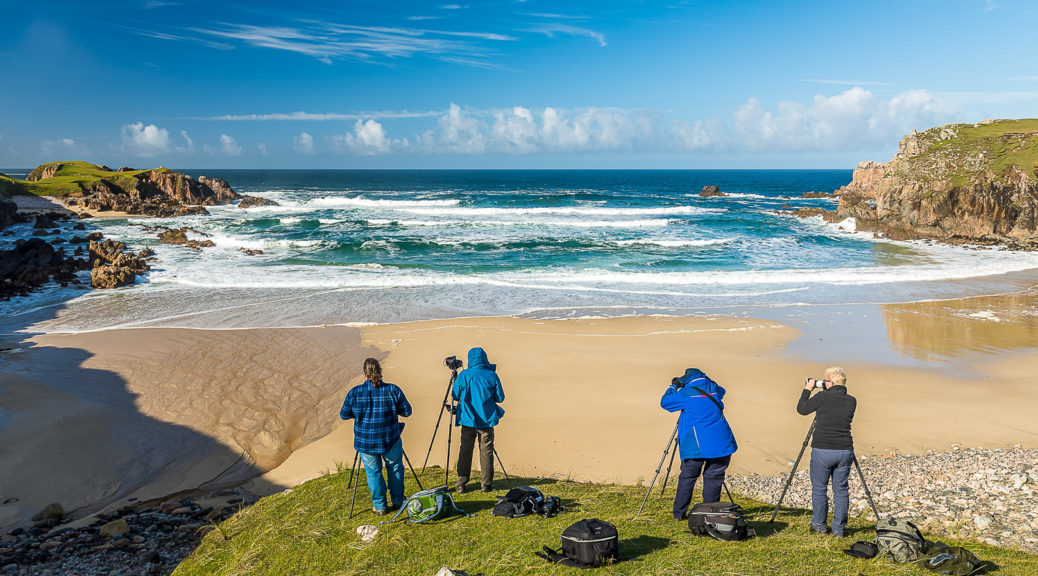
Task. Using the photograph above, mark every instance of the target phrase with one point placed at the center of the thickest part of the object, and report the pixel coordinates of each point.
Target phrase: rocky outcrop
(31, 264)
(253, 201)
(960, 183)
(112, 266)
(178, 236)
(710, 191)
(8, 213)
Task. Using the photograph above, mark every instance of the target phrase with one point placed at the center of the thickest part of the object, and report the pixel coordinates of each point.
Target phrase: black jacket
(835, 409)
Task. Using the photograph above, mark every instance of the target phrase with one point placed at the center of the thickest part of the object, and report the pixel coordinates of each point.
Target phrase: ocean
(355, 246)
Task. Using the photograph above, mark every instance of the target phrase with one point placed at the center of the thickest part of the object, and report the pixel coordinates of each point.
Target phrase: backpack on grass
(428, 505)
(899, 540)
(586, 544)
(720, 521)
(952, 560)
(524, 501)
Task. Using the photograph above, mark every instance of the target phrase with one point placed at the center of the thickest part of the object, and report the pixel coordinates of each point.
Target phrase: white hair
(836, 375)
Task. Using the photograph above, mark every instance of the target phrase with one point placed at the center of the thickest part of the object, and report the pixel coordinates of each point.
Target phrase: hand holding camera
(452, 362)
(815, 384)
(677, 383)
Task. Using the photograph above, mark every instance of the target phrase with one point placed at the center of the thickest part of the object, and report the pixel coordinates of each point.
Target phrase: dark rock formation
(8, 213)
(31, 264)
(125, 169)
(960, 183)
(252, 201)
(178, 236)
(112, 266)
(250, 252)
(710, 191)
(830, 195)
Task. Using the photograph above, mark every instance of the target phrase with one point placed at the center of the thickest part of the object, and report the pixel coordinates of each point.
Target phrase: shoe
(392, 507)
(681, 518)
(459, 489)
(486, 489)
(380, 511)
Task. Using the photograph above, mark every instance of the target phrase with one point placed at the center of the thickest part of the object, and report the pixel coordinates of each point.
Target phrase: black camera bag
(586, 544)
(518, 502)
(720, 521)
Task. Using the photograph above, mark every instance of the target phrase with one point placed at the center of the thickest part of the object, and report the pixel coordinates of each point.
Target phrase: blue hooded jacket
(478, 390)
(703, 431)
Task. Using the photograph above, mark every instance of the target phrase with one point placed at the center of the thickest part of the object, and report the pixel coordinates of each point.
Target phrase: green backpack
(952, 560)
(428, 505)
(899, 540)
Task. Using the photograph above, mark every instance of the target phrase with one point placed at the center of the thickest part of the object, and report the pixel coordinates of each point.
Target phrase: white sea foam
(362, 202)
(672, 243)
(564, 211)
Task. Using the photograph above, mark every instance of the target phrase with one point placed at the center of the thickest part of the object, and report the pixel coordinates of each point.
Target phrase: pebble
(980, 494)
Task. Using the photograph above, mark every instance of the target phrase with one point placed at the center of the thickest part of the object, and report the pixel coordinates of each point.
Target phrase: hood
(477, 357)
(696, 377)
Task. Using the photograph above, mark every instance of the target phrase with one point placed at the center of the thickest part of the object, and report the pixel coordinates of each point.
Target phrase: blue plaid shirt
(376, 428)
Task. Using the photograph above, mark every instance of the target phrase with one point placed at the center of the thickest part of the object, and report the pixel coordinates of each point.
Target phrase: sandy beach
(96, 419)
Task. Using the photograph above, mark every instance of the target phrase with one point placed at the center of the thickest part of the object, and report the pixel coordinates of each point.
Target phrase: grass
(72, 177)
(308, 531)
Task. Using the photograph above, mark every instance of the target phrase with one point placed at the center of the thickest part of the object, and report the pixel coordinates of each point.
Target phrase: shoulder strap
(712, 399)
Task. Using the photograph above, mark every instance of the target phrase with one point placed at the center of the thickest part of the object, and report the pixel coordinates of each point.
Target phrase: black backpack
(523, 501)
(720, 521)
(587, 544)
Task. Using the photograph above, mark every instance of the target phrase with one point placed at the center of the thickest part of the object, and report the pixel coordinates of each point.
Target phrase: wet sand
(95, 419)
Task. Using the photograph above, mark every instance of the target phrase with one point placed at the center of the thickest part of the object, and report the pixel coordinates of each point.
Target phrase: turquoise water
(377, 246)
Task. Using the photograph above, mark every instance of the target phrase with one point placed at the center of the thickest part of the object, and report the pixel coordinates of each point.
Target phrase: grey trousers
(486, 455)
(826, 464)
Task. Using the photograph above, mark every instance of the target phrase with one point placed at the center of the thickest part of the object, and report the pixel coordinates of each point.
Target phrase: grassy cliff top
(962, 154)
(307, 531)
(69, 177)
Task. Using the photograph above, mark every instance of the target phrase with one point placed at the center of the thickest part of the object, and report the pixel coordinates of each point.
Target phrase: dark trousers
(826, 465)
(486, 455)
(712, 470)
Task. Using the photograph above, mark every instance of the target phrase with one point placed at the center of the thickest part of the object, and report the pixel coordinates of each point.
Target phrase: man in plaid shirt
(375, 406)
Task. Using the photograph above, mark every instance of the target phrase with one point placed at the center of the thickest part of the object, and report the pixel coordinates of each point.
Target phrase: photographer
(375, 406)
(832, 449)
(705, 441)
(477, 390)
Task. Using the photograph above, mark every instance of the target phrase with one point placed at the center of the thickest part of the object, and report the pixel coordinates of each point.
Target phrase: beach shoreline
(258, 407)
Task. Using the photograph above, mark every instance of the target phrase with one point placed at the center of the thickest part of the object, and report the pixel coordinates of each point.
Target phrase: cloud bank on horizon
(510, 84)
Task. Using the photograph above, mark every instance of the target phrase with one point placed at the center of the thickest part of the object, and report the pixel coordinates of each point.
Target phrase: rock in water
(710, 191)
(8, 213)
(253, 201)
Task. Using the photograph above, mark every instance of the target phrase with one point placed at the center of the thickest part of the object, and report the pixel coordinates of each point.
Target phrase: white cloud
(145, 141)
(190, 142)
(66, 146)
(368, 138)
(320, 116)
(551, 30)
(229, 146)
(303, 144)
(262, 149)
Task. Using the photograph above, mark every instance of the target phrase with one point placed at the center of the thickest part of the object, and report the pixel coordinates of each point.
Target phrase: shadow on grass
(633, 548)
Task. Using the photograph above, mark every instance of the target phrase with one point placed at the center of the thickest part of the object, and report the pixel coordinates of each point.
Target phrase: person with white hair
(832, 449)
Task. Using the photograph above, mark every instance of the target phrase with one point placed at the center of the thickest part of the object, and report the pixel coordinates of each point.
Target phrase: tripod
(789, 480)
(673, 442)
(452, 409)
(355, 482)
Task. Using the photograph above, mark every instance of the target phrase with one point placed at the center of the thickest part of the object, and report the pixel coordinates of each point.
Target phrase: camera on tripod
(452, 362)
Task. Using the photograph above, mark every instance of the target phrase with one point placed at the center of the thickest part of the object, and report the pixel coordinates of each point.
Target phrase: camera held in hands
(817, 384)
(452, 362)
(677, 383)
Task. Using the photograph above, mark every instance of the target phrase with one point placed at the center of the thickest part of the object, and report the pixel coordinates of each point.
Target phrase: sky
(502, 84)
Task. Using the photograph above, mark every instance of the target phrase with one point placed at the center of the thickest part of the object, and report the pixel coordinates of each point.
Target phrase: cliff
(155, 192)
(959, 183)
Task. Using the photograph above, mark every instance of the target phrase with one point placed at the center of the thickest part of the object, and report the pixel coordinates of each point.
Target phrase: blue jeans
(826, 464)
(713, 478)
(394, 459)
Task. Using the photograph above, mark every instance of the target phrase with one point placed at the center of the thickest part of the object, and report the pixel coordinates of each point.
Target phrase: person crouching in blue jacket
(705, 441)
(477, 390)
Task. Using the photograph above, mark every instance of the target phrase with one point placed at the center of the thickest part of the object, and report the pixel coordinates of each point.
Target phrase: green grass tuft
(308, 531)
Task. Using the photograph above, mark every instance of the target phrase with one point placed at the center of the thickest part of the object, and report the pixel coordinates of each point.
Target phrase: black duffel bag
(720, 521)
(587, 544)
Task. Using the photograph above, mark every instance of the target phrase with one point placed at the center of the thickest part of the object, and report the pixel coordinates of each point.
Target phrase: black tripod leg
(502, 464)
(443, 406)
(353, 500)
(356, 456)
(450, 431)
(659, 467)
(725, 486)
(408, 460)
(866, 486)
(666, 477)
(789, 480)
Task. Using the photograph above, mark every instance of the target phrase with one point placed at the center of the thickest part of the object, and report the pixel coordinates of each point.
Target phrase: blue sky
(507, 84)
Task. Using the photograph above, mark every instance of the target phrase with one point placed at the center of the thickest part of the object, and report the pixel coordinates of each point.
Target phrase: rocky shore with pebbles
(989, 495)
(149, 539)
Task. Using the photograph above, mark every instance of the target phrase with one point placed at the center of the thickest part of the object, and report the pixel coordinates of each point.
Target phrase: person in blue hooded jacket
(705, 441)
(477, 391)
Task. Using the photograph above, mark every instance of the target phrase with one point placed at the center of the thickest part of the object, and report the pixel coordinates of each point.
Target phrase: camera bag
(899, 540)
(524, 501)
(720, 521)
(952, 560)
(588, 543)
(428, 505)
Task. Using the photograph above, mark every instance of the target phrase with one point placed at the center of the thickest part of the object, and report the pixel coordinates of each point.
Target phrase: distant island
(959, 183)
